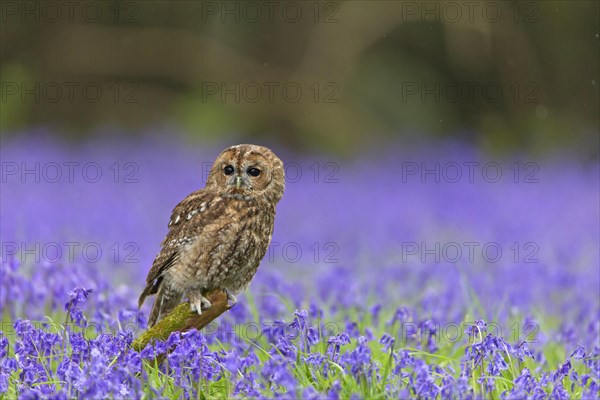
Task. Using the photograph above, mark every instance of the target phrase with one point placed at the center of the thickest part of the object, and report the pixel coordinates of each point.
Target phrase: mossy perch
(182, 319)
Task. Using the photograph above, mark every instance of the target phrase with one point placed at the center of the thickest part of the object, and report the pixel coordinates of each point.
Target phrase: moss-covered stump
(182, 319)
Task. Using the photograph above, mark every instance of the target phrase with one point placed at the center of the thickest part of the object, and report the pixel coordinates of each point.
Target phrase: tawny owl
(218, 235)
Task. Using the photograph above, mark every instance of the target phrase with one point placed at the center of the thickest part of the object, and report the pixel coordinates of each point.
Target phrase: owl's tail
(166, 300)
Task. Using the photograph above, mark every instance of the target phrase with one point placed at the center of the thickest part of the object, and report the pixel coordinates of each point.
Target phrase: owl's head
(248, 170)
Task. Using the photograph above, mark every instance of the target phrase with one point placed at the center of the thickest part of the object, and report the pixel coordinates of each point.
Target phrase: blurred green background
(313, 75)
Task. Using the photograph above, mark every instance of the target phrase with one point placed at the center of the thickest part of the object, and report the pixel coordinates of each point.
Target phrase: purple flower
(424, 382)
(315, 359)
(3, 345)
(578, 353)
(521, 351)
(314, 310)
(525, 382)
(23, 328)
(334, 392)
(68, 370)
(274, 330)
(559, 392)
(312, 336)
(496, 364)
(173, 340)
(246, 388)
(565, 367)
(300, 317)
(359, 359)
(285, 346)
(7, 367)
(77, 316)
(403, 360)
(477, 330)
(402, 314)
(387, 341)
(161, 347)
(276, 371)
(335, 343)
(352, 329)
(429, 330)
(310, 394)
(375, 310)
(77, 296)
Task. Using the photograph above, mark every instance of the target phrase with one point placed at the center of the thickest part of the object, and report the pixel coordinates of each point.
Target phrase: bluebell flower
(77, 296)
(374, 310)
(402, 314)
(7, 367)
(479, 329)
(276, 371)
(334, 391)
(300, 319)
(274, 330)
(246, 388)
(352, 329)
(312, 336)
(315, 359)
(496, 364)
(559, 392)
(403, 360)
(424, 382)
(286, 347)
(314, 309)
(387, 341)
(358, 361)
(3, 345)
(578, 353)
(335, 343)
(521, 351)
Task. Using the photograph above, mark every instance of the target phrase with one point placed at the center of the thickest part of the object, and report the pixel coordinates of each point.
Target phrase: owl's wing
(188, 220)
(180, 231)
(191, 220)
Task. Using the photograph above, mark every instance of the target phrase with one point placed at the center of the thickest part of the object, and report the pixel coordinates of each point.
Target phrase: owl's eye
(253, 171)
(228, 170)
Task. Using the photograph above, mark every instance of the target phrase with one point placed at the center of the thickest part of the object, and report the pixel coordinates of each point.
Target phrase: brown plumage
(218, 235)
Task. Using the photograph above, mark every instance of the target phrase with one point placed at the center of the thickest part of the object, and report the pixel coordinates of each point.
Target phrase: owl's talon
(198, 302)
(231, 299)
(197, 309)
(205, 303)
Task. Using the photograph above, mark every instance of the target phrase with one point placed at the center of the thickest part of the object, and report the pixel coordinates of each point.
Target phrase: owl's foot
(231, 299)
(198, 302)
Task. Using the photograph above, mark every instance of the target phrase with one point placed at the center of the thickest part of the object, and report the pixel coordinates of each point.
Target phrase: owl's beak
(238, 181)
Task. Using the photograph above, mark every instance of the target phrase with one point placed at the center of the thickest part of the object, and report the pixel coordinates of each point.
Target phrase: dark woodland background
(509, 76)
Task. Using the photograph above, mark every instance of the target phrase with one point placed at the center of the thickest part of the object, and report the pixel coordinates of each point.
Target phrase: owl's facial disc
(247, 170)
